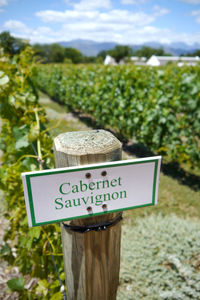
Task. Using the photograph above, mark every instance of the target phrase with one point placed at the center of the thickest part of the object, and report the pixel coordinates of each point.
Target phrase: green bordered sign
(90, 190)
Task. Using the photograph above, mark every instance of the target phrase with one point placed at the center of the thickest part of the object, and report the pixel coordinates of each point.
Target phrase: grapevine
(158, 107)
(26, 146)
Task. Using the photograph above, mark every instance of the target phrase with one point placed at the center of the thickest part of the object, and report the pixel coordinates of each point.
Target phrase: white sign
(90, 190)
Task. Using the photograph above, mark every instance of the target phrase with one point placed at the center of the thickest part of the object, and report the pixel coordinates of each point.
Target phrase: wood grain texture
(91, 260)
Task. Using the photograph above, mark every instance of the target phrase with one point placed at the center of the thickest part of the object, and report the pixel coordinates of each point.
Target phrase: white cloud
(40, 34)
(134, 2)
(119, 25)
(120, 17)
(92, 4)
(191, 1)
(124, 33)
(129, 2)
(99, 22)
(16, 26)
(3, 3)
(196, 13)
(66, 16)
(160, 11)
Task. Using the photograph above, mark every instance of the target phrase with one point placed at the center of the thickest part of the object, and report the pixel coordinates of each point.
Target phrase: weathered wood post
(91, 260)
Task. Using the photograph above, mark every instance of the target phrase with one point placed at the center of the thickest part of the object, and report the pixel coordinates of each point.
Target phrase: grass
(173, 198)
(160, 259)
(60, 119)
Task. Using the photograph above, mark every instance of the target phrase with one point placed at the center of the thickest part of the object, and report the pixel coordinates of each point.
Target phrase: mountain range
(92, 48)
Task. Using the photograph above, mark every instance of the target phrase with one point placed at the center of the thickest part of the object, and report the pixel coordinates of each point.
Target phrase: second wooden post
(92, 259)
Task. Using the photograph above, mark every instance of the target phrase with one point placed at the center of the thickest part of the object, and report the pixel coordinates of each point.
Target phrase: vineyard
(25, 144)
(157, 107)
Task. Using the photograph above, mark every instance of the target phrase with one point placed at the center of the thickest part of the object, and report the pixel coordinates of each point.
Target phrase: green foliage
(168, 261)
(102, 54)
(49, 53)
(42, 52)
(10, 44)
(120, 52)
(195, 53)
(148, 52)
(73, 54)
(57, 53)
(54, 53)
(160, 259)
(159, 107)
(16, 284)
(26, 146)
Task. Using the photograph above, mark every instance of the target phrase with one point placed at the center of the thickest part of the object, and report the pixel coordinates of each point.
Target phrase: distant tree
(42, 52)
(89, 59)
(120, 52)
(19, 45)
(67, 61)
(57, 53)
(148, 52)
(48, 53)
(99, 60)
(10, 44)
(74, 54)
(195, 53)
(6, 42)
(102, 54)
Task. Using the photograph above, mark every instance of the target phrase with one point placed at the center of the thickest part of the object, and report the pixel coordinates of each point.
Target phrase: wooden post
(91, 260)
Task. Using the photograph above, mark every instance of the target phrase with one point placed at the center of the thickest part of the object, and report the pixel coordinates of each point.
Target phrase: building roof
(177, 58)
(138, 58)
(158, 60)
(109, 60)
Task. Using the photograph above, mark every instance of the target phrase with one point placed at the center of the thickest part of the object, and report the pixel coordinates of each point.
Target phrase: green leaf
(34, 132)
(4, 80)
(22, 142)
(187, 79)
(35, 232)
(30, 163)
(11, 100)
(57, 296)
(43, 287)
(43, 283)
(5, 250)
(139, 107)
(19, 132)
(16, 284)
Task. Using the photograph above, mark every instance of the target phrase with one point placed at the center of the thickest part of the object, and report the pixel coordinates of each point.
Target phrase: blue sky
(122, 21)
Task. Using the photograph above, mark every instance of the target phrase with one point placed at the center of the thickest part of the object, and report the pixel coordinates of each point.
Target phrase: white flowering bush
(160, 259)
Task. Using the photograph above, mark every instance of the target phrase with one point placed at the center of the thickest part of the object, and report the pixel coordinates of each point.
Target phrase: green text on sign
(78, 192)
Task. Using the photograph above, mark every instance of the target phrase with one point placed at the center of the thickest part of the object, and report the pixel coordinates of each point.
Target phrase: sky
(127, 22)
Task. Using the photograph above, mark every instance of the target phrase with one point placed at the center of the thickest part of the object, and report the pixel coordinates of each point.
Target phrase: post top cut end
(86, 142)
